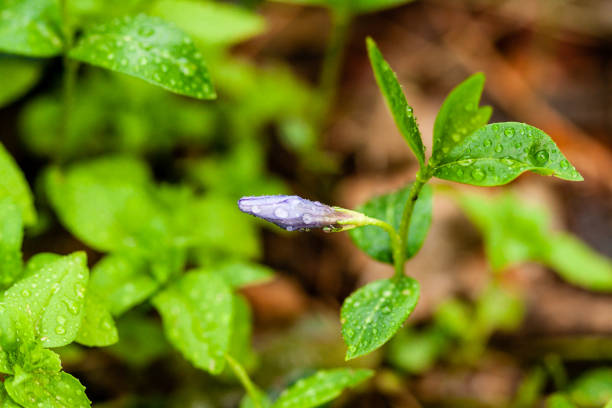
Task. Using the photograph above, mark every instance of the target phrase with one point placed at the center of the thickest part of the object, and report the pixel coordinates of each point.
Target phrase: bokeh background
(548, 63)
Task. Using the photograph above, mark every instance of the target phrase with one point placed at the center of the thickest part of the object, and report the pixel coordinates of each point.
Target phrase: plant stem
(415, 190)
(330, 71)
(246, 382)
(69, 77)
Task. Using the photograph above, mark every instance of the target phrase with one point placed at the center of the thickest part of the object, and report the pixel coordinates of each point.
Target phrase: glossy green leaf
(30, 27)
(372, 314)
(321, 387)
(396, 101)
(593, 389)
(11, 237)
(559, 401)
(39, 261)
(19, 76)
(5, 400)
(238, 274)
(459, 115)
(197, 315)
(35, 390)
(121, 282)
(375, 241)
(14, 185)
(578, 264)
(498, 153)
(98, 327)
(148, 48)
(211, 23)
(52, 298)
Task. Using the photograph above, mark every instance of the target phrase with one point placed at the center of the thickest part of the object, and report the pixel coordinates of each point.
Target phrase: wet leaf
(320, 388)
(11, 237)
(396, 101)
(197, 314)
(211, 23)
(459, 115)
(14, 185)
(592, 389)
(375, 312)
(34, 390)
(240, 342)
(148, 48)
(18, 75)
(498, 153)
(375, 241)
(98, 327)
(52, 298)
(30, 27)
(5, 400)
(238, 274)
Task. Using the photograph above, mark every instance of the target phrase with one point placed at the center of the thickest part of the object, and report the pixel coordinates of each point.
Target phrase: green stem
(246, 382)
(332, 62)
(415, 190)
(69, 77)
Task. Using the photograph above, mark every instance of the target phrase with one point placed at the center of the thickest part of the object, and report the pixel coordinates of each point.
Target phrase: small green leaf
(197, 315)
(30, 27)
(5, 400)
(578, 264)
(142, 340)
(416, 352)
(498, 153)
(372, 314)
(375, 241)
(148, 48)
(11, 237)
(238, 274)
(559, 401)
(14, 185)
(459, 115)
(34, 390)
(52, 298)
(396, 101)
(211, 23)
(264, 401)
(320, 388)
(593, 389)
(98, 327)
(19, 76)
(499, 308)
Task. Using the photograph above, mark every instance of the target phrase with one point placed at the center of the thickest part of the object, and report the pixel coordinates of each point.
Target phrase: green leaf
(513, 231)
(14, 185)
(593, 389)
(459, 115)
(197, 316)
(375, 241)
(240, 340)
(609, 404)
(578, 264)
(148, 48)
(121, 282)
(321, 387)
(98, 327)
(30, 27)
(34, 390)
(264, 401)
(5, 400)
(52, 298)
(142, 340)
(499, 308)
(372, 314)
(498, 153)
(416, 352)
(11, 237)
(238, 274)
(559, 401)
(211, 23)
(351, 6)
(19, 76)
(396, 101)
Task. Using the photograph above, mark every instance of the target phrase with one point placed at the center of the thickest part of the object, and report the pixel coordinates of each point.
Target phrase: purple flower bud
(292, 212)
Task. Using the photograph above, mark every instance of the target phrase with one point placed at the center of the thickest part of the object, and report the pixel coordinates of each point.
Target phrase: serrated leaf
(14, 185)
(19, 76)
(498, 153)
(52, 298)
(375, 241)
(320, 388)
(238, 274)
(5, 400)
(396, 101)
(592, 389)
(559, 401)
(11, 237)
(372, 314)
(97, 327)
(197, 316)
(121, 282)
(578, 264)
(30, 27)
(459, 115)
(148, 48)
(211, 23)
(35, 390)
